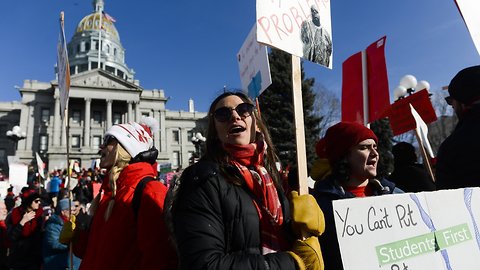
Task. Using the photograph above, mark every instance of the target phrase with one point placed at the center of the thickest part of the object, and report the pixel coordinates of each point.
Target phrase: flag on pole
(108, 17)
(376, 81)
(422, 130)
(63, 68)
(40, 165)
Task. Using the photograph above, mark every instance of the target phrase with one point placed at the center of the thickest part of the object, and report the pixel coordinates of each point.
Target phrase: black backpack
(137, 194)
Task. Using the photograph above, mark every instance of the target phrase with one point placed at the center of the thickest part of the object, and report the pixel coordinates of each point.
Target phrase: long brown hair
(215, 152)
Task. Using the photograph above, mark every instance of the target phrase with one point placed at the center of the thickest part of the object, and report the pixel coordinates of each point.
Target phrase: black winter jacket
(458, 159)
(325, 192)
(216, 225)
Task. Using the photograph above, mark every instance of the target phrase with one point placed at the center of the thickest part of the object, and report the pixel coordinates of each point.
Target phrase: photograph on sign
(427, 230)
(253, 65)
(302, 28)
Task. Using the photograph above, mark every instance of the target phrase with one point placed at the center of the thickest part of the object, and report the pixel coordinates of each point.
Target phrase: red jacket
(123, 242)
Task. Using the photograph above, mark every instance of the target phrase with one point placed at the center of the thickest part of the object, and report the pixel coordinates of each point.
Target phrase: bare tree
(327, 106)
(441, 129)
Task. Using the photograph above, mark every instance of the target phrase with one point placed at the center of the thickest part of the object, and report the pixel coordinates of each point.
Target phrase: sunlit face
(76, 208)
(237, 129)
(315, 16)
(363, 159)
(3, 211)
(107, 153)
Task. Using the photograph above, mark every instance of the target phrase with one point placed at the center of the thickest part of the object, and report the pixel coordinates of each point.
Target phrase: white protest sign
(302, 28)
(469, 11)
(428, 230)
(18, 174)
(253, 64)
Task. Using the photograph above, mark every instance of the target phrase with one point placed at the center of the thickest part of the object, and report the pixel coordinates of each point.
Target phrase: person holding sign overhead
(228, 210)
(351, 149)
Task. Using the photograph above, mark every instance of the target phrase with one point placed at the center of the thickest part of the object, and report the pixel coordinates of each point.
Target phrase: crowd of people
(229, 210)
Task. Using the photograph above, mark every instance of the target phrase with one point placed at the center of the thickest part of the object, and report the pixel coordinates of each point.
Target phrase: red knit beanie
(343, 136)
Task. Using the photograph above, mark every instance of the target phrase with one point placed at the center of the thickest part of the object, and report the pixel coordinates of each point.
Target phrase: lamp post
(197, 140)
(16, 134)
(408, 85)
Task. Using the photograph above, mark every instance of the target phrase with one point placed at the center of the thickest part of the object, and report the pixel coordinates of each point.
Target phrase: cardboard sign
(400, 115)
(253, 64)
(428, 230)
(469, 11)
(302, 28)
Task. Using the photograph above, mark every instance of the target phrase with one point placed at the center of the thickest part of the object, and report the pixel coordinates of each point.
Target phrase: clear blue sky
(188, 48)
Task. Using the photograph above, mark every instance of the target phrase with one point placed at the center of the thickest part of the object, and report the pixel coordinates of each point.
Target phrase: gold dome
(91, 23)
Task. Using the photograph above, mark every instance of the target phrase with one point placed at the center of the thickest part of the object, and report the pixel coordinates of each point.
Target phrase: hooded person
(119, 238)
(457, 158)
(24, 230)
(351, 150)
(55, 254)
(321, 166)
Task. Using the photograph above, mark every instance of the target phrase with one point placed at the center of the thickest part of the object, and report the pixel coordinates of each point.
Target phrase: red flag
(352, 93)
(108, 17)
(378, 94)
(377, 81)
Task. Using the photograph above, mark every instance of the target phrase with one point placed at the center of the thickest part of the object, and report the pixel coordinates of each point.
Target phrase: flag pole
(365, 89)
(99, 36)
(426, 160)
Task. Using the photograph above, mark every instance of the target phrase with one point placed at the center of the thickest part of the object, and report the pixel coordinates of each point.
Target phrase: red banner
(352, 93)
(400, 114)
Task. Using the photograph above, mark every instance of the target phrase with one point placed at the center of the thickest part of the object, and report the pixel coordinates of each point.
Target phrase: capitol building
(103, 92)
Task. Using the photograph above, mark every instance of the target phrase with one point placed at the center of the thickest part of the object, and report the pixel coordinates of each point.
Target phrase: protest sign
(469, 11)
(253, 64)
(302, 28)
(428, 230)
(18, 174)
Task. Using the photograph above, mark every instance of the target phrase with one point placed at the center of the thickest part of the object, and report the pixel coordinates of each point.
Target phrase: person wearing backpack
(120, 237)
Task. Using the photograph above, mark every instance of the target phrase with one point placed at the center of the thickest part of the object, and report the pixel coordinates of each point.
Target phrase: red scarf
(249, 161)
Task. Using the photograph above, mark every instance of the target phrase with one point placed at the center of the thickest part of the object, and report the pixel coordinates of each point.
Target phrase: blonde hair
(122, 159)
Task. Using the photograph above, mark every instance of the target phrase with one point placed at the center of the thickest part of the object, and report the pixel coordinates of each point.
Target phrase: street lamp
(408, 85)
(16, 134)
(197, 140)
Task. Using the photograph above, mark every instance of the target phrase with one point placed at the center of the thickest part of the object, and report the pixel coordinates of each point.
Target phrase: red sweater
(123, 242)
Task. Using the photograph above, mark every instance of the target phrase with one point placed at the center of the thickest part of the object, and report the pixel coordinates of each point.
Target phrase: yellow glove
(307, 254)
(307, 217)
(66, 234)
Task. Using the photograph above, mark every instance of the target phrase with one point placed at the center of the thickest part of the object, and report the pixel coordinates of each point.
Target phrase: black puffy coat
(216, 225)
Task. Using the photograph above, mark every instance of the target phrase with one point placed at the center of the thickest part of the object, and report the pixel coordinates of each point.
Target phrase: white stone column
(138, 114)
(163, 132)
(109, 113)
(156, 136)
(129, 110)
(24, 121)
(86, 134)
(57, 122)
(32, 109)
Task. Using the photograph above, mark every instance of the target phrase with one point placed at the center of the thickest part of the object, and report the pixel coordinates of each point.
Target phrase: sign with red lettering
(427, 230)
(400, 114)
(302, 28)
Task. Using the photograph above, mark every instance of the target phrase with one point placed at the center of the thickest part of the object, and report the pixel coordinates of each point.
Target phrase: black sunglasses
(108, 140)
(449, 100)
(224, 114)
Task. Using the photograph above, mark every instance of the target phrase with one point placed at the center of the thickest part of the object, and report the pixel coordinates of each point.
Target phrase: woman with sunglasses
(118, 237)
(229, 210)
(24, 228)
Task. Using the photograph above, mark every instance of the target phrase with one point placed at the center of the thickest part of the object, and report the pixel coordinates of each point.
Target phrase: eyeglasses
(224, 114)
(37, 201)
(449, 100)
(108, 140)
(76, 205)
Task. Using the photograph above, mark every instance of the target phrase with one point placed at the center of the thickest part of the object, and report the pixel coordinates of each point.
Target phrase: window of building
(97, 117)
(76, 117)
(120, 73)
(87, 46)
(115, 51)
(176, 136)
(108, 49)
(110, 69)
(117, 118)
(79, 48)
(45, 115)
(96, 142)
(146, 114)
(43, 145)
(94, 65)
(75, 141)
(175, 159)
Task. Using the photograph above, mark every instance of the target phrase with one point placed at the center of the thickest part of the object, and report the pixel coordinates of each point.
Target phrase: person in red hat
(24, 228)
(120, 236)
(351, 150)
(458, 158)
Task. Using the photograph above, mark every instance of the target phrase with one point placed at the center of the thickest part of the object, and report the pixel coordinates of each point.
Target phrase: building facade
(99, 97)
